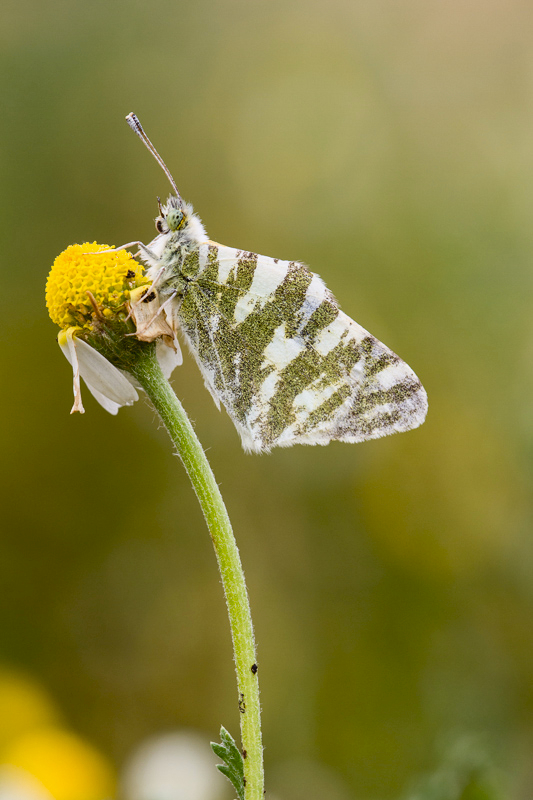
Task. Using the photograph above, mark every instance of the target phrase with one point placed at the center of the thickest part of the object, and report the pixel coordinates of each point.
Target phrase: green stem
(169, 408)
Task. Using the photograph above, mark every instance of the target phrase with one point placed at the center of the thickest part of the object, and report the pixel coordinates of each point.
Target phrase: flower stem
(148, 373)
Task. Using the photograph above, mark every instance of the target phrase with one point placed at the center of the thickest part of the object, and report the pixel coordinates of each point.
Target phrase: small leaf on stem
(233, 767)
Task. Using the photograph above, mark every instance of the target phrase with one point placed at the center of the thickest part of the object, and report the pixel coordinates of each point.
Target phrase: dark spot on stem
(254, 668)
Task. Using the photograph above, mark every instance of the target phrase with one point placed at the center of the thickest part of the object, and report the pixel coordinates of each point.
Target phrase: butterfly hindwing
(288, 365)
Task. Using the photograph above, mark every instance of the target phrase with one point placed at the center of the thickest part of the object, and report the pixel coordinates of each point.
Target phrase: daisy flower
(105, 306)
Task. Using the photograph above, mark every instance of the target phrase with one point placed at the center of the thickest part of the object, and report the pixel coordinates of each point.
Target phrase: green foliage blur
(390, 147)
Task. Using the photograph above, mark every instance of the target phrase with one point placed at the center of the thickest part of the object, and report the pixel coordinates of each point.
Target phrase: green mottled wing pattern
(288, 365)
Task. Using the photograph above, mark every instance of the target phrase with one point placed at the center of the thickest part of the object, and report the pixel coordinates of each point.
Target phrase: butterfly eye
(160, 225)
(175, 219)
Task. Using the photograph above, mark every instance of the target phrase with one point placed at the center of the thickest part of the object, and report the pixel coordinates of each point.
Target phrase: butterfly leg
(143, 250)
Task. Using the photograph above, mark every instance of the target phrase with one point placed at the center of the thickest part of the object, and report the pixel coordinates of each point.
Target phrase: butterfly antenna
(136, 126)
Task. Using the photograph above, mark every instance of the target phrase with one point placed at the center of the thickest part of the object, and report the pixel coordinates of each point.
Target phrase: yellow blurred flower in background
(24, 706)
(39, 758)
(66, 765)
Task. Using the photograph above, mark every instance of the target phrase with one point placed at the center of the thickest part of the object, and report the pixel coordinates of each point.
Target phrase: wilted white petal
(147, 312)
(169, 357)
(67, 345)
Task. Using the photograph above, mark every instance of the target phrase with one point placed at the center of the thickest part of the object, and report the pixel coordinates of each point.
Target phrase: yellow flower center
(90, 270)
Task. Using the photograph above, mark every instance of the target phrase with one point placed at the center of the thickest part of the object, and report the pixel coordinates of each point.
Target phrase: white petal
(169, 357)
(109, 405)
(134, 382)
(101, 377)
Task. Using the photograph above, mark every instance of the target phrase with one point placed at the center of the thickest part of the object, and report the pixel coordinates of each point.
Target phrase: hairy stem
(169, 408)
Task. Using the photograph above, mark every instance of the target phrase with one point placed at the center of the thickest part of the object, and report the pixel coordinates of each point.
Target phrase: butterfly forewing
(289, 366)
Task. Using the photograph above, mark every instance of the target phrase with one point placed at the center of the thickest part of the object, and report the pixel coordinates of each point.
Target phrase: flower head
(91, 270)
(95, 294)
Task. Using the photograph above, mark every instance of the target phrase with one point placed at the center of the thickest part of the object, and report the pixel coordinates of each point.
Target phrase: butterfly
(270, 340)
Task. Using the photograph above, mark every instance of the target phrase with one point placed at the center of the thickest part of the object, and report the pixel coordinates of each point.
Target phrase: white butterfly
(270, 340)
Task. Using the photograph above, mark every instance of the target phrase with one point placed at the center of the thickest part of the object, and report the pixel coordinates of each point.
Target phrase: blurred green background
(390, 147)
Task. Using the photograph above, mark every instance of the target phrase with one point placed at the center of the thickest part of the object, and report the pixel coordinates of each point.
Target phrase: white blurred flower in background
(175, 766)
(17, 784)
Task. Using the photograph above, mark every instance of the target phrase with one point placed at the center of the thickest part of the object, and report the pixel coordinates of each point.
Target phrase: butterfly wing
(289, 366)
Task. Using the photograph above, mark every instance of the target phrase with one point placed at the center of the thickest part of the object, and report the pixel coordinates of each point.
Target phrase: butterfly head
(172, 216)
(177, 221)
